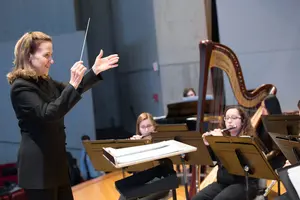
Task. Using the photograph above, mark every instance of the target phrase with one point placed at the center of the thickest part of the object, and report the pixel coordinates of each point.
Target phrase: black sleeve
(211, 153)
(28, 104)
(88, 81)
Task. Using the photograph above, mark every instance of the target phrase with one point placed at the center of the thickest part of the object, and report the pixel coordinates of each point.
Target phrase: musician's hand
(77, 72)
(216, 132)
(204, 135)
(136, 137)
(287, 163)
(103, 64)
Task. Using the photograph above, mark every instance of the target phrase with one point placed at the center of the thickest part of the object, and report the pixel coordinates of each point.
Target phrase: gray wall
(265, 37)
(18, 16)
(179, 28)
(136, 43)
(101, 35)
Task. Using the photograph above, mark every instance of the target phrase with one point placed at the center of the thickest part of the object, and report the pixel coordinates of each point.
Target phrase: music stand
(284, 177)
(289, 146)
(242, 156)
(283, 124)
(171, 127)
(95, 151)
(193, 138)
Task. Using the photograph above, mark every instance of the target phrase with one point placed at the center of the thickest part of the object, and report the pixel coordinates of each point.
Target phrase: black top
(40, 106)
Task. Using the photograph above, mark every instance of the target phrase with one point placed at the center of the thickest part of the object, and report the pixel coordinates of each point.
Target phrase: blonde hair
(143, 116)
(26, 45)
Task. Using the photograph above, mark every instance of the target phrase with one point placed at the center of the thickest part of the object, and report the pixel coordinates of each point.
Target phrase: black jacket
(40, 107)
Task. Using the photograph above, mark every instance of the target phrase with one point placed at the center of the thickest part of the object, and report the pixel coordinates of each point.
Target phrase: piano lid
(185, 112)
(187, 107)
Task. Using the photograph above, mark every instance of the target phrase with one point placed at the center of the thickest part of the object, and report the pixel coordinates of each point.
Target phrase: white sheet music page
(144, 153)
(293, 174)
(128, 151)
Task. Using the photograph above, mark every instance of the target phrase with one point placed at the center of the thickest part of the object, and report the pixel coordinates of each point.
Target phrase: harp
(217, 58)
(215, 55)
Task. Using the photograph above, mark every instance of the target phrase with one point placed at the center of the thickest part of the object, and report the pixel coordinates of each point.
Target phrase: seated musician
(145, 126)
(189, 92)
(271, 106)
(229, 186)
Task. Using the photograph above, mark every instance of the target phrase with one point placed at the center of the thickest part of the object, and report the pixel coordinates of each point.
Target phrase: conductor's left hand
(103, 64)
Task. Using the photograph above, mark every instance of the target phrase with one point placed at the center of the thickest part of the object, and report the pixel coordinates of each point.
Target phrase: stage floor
(104, 188)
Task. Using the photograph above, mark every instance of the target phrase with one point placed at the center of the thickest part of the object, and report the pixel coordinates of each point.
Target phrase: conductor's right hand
(77, 73)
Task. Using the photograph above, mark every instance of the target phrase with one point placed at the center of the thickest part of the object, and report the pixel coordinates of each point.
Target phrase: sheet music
(136, 149)
(145, 153)
(293, 174)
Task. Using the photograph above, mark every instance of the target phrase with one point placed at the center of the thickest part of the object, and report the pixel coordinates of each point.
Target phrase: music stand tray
(95, 151)
(129, 156)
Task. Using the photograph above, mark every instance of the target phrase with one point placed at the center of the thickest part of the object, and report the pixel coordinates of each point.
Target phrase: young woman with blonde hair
(145, 126)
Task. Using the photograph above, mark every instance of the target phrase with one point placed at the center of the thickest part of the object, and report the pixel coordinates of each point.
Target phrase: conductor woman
(40, 104)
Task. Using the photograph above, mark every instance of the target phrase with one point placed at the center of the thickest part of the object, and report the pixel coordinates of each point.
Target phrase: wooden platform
(104, 188)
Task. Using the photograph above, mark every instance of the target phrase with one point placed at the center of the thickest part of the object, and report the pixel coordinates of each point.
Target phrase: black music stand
(242, 156)
(284, 177)
(150, 183)
(289, 146)
(193, 138)
(148, 178)
(95, 151)
(283, 124)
